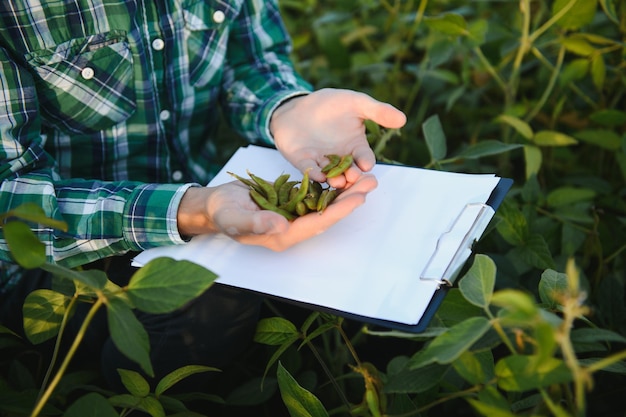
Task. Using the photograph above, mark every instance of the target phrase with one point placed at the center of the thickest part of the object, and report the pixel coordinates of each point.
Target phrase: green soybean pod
(267, 187)
(310, 201)
(290, 206)
(265, 205)
(283, 192)
(315, 189)
(280, 181)
(253, 185)
(341, 167)
(333, 160)
(327, 196)
(301, 208)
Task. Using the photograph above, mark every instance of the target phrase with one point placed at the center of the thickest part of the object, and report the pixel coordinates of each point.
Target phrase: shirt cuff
(150, 216)
(265, 115)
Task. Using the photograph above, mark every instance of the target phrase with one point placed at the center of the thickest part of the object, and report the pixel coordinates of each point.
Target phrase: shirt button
(219, 16)
(87, 73)
(164, 115)
(177, 175)
(158, 44)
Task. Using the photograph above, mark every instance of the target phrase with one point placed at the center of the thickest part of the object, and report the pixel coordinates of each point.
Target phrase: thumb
(381, 113)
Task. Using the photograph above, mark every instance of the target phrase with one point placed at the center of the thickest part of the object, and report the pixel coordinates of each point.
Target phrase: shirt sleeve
(259, 75)
(103, 218)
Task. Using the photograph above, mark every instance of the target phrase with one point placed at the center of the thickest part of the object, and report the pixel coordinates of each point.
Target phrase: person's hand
(229, 209)
(330, 121)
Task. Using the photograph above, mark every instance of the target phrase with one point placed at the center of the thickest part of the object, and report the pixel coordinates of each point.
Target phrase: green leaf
(447, 23)
(535, 251)
(448, 346)
(252, 392)
(478, 283)
(491, 403)
(593, 335)
(523, 373)
(603, 138)
(279, 352)
(43, 313)
(616, 367)
(475, 368)
(578, 46)
(533, 158)
(415, 381)
(31, 212)
(25, 248)
(151, 406)
(552, 284)
(299, 401)
(124, 401)
(178, 375)
(608, 117)
(581, 14)
(490, 410)
(275, 331)
(518, 306)
(518, 124)
(512, 224)
(552, 138)
(486, 148)
(435, 138)
(564, 196)
(91, 405)
(92, 278)
(598, 71)
(128, 334)
(477, 31)
(455, 308)
(609, 8)
(164, 285)
(574, 71)
(134, 383)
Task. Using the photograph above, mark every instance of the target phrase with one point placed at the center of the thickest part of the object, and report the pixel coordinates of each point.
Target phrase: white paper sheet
(368, 264)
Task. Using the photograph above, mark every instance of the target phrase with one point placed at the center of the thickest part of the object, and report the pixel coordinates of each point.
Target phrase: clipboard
(396, 261)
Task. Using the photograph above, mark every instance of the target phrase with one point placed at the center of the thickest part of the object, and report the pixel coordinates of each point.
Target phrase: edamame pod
(267, 188)
(290, 206)
(327, 196)
(341, 167)
(280, 181)
(265, 205)
(333, 160)
(284, 191)
(253, 185)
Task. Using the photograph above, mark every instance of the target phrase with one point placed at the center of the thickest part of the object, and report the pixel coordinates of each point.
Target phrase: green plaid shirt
(108, 109)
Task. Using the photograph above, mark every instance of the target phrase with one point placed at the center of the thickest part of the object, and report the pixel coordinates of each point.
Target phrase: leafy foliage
(530, 90)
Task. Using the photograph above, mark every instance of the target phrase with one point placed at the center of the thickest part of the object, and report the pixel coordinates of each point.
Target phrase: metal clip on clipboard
(455, 245)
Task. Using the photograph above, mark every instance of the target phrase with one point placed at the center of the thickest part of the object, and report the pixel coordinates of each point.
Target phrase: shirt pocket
(207, 25)
(85, 85)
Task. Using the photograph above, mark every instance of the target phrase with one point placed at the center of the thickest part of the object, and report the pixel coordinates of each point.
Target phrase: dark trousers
(212, 330)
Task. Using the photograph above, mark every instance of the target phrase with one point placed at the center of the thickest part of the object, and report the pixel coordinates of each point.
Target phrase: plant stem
(536, 34)
(524, 47)
(498, 328)
(491, 70)
(70, 354)
(549, 87)
(330, 376)
(605, 362)
(345, 338)
(571, 311)
(57, 346)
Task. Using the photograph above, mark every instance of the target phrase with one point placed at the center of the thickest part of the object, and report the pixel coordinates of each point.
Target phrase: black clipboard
(443, 283)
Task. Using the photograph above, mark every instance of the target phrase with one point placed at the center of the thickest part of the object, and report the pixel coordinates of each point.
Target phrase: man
(108, 111)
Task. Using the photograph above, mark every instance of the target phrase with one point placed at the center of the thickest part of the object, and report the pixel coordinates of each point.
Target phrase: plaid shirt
(108, 109)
